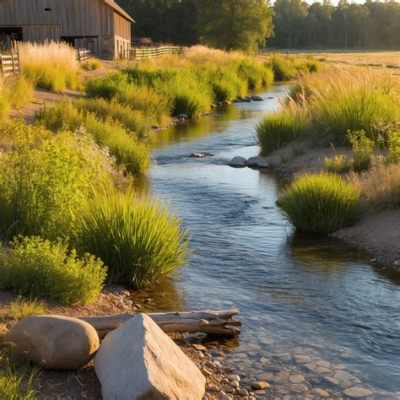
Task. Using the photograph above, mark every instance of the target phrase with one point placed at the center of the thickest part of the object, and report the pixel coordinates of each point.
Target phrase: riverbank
(377, 233)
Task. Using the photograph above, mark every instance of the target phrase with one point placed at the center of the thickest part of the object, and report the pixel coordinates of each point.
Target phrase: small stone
(242, 392)
(234, 384)
(320, 392)
(343, 376)
(357, 392)
(260, 385)
(264, 376)
(206, 371)
(331, 381)
(217, 364)
(238, 162)
(212, 388)
(302, 359)
(225, 396)
(234, 378)
(296, 378)
(228, 389)
(199, 347)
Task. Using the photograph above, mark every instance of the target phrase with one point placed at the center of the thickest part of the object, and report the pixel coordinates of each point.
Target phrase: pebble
(320, 392)
(302, 359)
(234, 378)
(199, 347)
(357, 392)
(228, 389)
(234, 384)
(296, 378)
(243, 392)
(212, 388)
(260, 385)
(225, 396)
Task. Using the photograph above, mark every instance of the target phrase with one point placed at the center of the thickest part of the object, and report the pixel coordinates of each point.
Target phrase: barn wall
(122, 40)
(69, 18)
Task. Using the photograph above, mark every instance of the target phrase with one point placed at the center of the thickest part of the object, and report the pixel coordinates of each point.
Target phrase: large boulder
(139, 361)
(258, 162)
(54, 342)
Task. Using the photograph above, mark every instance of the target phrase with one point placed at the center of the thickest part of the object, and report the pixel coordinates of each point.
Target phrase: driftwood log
(210, 322)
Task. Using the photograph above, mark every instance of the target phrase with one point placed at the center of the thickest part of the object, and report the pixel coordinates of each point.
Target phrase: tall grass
(51, 66)
(334, 102)
(122, 144)
(286, 68)
(380, 186)
(14, 92)
(139, 240)
(45, 179)
(20, 308)
(321, 203)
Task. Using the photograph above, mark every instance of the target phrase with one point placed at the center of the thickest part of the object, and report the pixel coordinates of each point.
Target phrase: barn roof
(119, 9)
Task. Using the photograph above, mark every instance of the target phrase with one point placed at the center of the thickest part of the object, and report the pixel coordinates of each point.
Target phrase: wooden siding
(122, 27)
(41, 33)
(76, 17)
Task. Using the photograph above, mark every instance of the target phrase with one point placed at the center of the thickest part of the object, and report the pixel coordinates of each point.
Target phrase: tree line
(287, 24)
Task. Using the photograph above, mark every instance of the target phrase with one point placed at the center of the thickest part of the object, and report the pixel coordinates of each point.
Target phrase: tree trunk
(210, 322)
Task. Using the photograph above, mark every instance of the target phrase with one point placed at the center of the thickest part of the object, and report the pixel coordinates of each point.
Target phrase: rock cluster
(252, 162)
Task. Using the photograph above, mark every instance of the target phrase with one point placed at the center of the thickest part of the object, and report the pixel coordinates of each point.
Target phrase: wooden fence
(9, 65)
(143, 53)
(83, 55)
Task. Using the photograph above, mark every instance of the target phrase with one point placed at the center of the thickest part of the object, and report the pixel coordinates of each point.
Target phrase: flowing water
(314, 308)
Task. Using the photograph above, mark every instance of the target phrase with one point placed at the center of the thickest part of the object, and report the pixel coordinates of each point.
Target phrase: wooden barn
(101, 26)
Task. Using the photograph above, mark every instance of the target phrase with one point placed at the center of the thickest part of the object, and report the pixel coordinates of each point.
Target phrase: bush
(277, 130)
(19, 308)
(44, 181)
(126, 149)
(139, 241)
(16, 379)
(363, 150)
(51, 66)
(394, 146)
(321, 203)
(283, 68)
(40, 268)
(256, 75)
(380, 186)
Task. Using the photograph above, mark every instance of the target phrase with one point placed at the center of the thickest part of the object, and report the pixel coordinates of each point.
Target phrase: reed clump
(50, 66)
(320, 203)
(139, 240)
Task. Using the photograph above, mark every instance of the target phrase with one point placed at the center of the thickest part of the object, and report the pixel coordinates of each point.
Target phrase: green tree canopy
(235, 24)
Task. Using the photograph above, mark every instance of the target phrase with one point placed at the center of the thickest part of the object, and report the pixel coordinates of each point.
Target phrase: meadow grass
(379, 186)
(287, 68)
(122, 144)
(21, 308)
(139, 240)
(91, 64)
(15, 91)
(331, 104)
(320, 203)
(50, 66)
(45, 179)
(35, 267)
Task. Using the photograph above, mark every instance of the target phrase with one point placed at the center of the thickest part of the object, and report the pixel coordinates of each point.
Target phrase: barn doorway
(8, 36)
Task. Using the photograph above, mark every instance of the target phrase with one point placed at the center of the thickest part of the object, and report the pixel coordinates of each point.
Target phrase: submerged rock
(357, 392)
(201, 154)
(255, 97)
(139, 361)
(54, 342)
(258, 162)
(238, 162)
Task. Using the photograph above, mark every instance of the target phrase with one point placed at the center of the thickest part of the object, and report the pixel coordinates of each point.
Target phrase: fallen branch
(210, 322)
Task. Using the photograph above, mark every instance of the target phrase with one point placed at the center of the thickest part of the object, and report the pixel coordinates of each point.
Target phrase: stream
(316, 314)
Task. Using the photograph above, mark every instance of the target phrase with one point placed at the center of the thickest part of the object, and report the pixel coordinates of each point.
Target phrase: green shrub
(40, 268)
(16, 379)
(321, 203)
(363, 150)
(277, 130)
(256, 75)
(138, 240)
(125, 147)
(20, 308)
(44, 181)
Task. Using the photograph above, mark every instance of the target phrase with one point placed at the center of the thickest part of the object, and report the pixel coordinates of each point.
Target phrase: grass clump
(91, 64)
(36, 267)
(14, 92)
(138, 240)
(338, 164)
(320, 203)
(45, 179)
(122, 144)
(277, 130)
(50, 66)
(20, 308)
(16, 379)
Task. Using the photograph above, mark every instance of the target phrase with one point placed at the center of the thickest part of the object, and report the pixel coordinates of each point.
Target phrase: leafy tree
(235, 24)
